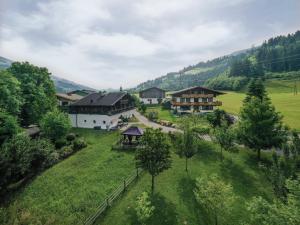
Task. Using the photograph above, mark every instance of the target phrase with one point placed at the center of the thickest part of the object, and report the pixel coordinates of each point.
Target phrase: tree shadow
(164, 212)
(186, 192)
(207, 152)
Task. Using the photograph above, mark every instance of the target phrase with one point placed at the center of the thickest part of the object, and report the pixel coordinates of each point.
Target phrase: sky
(112, 43)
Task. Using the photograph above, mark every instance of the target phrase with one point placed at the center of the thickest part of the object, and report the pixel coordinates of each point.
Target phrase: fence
(114, 195)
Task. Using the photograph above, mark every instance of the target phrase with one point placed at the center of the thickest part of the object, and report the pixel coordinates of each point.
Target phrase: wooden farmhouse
(152, 95)
(101, 110)
(195, 99)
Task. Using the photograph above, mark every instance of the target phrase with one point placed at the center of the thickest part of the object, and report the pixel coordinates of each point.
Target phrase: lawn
(71, 190)
(174, 199)
(163, 114)
(281, 94)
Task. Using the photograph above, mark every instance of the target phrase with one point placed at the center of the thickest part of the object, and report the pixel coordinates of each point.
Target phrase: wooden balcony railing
(197, 95)
(216, 103)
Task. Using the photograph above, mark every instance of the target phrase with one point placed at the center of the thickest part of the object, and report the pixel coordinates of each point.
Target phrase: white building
(101, 111)
(152, 95)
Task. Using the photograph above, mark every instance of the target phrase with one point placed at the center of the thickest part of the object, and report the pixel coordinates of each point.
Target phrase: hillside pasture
(282, 96)
(71, 190)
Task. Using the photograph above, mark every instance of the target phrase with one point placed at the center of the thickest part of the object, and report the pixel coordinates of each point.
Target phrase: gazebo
(131, 135)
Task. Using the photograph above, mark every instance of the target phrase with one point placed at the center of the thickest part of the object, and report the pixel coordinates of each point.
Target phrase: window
(104, 122)
(94, 121)
(187, 100)
(204, 99)
(196, 100)
(85, 121)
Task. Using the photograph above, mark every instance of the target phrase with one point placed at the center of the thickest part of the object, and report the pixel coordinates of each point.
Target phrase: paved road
(149, 123)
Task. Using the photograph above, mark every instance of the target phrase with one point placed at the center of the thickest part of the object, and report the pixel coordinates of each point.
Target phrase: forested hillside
(276, 55)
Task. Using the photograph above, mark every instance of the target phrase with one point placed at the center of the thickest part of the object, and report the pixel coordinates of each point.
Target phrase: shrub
(65, 152)
(60, 143)
(144, 208)
(71, 137)
(201, 130)
(152, 115)
(55, 125)
(166, 105)
(79, 144)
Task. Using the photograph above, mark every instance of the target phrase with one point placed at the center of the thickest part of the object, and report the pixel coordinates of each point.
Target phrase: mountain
(61, 85)
(280, 54)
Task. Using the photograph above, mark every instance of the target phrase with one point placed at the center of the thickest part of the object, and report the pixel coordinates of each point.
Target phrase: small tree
(225, 138)
(55, 125)
(215, 196)
(144, 208)
(154, 154)
(186, 145)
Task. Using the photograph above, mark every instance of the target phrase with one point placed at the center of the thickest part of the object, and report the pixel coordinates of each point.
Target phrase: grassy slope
(175, 202)
(281, 94)
(71, 190)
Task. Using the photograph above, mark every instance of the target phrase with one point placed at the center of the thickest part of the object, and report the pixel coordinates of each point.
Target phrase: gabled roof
(133, 131)
(70, 97)
(196, 87)
(152, 88)
(100, 99)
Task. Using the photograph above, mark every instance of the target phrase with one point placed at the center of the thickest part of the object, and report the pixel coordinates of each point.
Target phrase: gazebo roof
(133, 131)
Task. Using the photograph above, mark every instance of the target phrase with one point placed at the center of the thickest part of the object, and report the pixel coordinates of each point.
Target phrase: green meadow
(282, 96)
(71, 190)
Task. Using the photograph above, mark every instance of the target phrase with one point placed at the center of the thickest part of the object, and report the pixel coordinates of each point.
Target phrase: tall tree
(37, 89)
(10, 96)
(154, 155)
(8, 126)
(260, 126)
(215, 196)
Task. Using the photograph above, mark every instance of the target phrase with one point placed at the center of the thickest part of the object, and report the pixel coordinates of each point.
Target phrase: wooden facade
(195, 99)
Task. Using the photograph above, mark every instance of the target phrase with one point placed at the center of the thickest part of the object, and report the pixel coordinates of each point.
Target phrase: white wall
(147, 102)
(87, 120)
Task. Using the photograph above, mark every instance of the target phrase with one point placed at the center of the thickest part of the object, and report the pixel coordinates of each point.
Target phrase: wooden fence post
(107, 202)
(137, 172)
(124, 185)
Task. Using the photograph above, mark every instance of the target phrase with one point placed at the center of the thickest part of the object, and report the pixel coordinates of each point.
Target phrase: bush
(166, 105)
(152, 115)
(55, 125)
(60, 143)
(79, 144)
(201, 130)
(65, 152)
(71, 137)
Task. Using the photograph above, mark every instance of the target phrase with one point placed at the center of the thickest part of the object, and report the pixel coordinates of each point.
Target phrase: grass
(174, 199)
(163, 114)
(282, 96)
(71, 190)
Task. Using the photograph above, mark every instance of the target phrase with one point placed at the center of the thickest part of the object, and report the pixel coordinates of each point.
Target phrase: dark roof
(100, 99)
(133, 131)
(192, 88)
(153, 88)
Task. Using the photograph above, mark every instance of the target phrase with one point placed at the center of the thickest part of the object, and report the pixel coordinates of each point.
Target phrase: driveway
(149, 123)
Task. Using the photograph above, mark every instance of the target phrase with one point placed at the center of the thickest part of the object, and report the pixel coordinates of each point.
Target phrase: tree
(55, 125)
(144, 208)
(225, 138)
(219, 118)
(37, 90)
(154, 155)
(257, 89)
(215, 196)
(186, 144)
(10, 96)
(260, 126)
(295, 144)
(8, 126)
(277, 212)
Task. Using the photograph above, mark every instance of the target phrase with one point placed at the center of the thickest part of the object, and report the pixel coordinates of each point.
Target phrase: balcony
(215, 103)
(197, 96)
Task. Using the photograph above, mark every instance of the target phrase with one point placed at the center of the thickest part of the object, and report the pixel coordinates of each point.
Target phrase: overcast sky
(113, 43)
